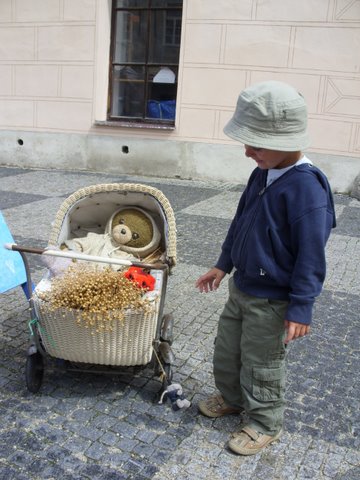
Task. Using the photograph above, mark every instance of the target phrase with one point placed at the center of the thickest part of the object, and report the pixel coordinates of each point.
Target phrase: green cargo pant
(249, 358)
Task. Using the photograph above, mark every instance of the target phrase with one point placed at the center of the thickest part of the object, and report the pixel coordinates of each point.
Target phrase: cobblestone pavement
(96, 426)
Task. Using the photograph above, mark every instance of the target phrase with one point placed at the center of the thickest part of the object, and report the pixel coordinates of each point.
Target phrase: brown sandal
(215, 406)
(249, 442)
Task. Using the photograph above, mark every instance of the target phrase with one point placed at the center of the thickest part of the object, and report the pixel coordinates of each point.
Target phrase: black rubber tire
(169, 374)
(34, 372)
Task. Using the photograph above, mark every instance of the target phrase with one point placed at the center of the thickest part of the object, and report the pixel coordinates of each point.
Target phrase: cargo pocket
(268, 383)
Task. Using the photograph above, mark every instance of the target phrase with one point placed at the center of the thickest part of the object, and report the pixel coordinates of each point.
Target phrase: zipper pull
(262, 191)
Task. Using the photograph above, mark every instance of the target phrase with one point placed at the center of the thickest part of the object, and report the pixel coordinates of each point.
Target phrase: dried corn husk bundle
(101, 296)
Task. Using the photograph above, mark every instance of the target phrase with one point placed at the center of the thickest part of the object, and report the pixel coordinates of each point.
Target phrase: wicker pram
(142, 336)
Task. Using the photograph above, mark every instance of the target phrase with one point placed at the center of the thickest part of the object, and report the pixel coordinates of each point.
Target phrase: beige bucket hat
(271, 115)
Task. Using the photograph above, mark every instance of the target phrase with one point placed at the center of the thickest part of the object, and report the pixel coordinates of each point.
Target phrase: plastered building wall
(311, 45)
(54, 58)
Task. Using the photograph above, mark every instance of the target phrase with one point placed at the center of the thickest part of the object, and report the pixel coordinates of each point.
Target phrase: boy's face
(267, 159)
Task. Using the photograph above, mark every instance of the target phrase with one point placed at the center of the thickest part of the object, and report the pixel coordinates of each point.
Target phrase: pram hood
(89, 208)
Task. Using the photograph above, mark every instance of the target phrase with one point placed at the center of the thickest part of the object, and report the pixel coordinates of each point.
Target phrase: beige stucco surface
(54, 67)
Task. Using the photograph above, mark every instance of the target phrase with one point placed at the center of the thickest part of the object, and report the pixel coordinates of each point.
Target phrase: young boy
(276, 244)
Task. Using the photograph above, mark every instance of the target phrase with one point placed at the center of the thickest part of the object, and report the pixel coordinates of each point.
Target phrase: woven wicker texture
(129, 343)
(155, 194)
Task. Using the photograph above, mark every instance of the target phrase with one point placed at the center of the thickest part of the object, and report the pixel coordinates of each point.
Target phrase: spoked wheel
(159, 372)
(165, 367)
(164, 359)
(166, 380)
(34, 372)
(168, 370)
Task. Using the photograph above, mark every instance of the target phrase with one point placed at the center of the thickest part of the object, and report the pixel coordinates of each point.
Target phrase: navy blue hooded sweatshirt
(276, 241)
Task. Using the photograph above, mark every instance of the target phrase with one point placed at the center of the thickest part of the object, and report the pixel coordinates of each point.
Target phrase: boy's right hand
(210, 281)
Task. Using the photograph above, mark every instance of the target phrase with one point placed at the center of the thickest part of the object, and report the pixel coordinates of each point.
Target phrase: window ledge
(139, 125)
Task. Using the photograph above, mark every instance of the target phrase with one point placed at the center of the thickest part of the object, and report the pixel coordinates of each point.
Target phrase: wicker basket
(128, 344)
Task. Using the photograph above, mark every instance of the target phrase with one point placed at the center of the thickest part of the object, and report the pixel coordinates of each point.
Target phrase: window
(145, 48)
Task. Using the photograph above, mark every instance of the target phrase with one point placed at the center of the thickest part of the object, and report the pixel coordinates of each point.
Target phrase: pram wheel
(167, 326)
(34, 372)
(163, 371)
(168, 372)
(167, 378)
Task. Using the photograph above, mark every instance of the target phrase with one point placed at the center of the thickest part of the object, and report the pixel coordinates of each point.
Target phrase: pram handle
(81, 256)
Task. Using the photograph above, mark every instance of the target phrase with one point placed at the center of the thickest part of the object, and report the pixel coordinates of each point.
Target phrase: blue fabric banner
(12, 269)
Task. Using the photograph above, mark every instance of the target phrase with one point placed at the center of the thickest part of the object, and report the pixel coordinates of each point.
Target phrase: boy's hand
(210, 281)
(295, 330)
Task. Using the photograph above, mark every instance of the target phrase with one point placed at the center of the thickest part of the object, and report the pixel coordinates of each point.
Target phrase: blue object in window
(164, 109)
